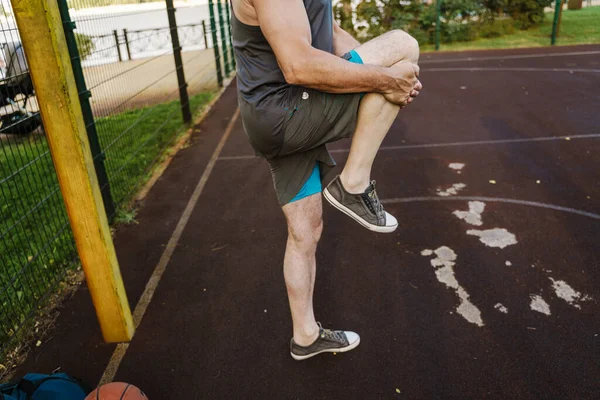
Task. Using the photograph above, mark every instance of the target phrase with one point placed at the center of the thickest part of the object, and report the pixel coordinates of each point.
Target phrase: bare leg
(305, 223)
(375, 114)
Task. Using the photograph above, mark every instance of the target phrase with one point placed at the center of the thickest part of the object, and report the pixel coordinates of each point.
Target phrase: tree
(526, 12)
(85, 45)
(344, 15)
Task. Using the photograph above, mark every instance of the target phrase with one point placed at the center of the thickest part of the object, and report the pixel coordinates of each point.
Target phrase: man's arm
(343, 42)
(286, 27)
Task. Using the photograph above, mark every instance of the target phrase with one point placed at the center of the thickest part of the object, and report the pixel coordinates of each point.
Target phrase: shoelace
(337, 336)
(372, 200)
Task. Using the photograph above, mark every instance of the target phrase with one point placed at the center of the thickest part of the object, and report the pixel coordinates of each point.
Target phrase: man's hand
(407, 85)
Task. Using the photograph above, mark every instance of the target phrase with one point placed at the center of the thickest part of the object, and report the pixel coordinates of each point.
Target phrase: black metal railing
(139, 88)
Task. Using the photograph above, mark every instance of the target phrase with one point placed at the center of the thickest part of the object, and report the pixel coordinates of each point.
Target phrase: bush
(495, 28)
(85, 45)
(457, 32)
(526, 13)
(461, 20)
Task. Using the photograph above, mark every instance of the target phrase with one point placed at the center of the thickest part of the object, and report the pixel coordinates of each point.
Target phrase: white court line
(494, 69)
(511, 57)
(144, 302)
(224, 158)
(492, 200)
(450, 144)
(478, 143)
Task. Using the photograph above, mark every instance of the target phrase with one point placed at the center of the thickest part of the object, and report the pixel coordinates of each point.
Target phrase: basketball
(117, 391)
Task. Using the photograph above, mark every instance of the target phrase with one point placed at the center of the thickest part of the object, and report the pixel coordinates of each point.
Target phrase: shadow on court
(488, 289)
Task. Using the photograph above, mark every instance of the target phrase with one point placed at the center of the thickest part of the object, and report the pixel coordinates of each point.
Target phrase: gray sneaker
(328, 341)
(365, 208)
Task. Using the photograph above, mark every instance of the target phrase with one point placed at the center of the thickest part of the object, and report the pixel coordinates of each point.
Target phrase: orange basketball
(117, 391)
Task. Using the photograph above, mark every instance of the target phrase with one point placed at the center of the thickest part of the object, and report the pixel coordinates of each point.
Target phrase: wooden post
(127, 44)
(562, 5)
(117, 44)
(215, 43)
(183, 94)
(204, 34)
(41, 31)
(223, 39)
(555, 22)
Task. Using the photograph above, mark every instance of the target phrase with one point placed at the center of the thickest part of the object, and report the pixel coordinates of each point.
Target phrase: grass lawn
(36, 244)
(577, 27)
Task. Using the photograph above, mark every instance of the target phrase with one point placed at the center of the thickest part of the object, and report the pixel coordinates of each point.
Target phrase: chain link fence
(142, 71)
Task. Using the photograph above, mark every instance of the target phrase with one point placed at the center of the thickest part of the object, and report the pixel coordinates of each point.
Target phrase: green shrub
(85, 45)
(457, 32)
(461, 20)
(495, 28)
(526, 13)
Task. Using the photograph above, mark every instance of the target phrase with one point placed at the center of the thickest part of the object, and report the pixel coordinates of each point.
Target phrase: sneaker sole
(340, 350)
(375, 228)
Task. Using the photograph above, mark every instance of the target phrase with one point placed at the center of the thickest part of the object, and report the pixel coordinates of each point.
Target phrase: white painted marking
(496, 69)
(159, 270)
(508, 263)
(444, 265)
(501, 308)
(451, 191)
(473, 216)
(511, 57)
(463, 88)
(497, 237)
(449, 144)
(564, 291)
(539, 304)
(492, 200)
(456, 166)
(427, 252)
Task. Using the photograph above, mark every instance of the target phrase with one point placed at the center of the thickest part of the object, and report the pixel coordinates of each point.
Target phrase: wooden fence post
(41, 30)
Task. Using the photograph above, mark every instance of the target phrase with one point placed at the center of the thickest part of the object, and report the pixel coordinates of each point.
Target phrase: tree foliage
(85, 45)
(461, 20)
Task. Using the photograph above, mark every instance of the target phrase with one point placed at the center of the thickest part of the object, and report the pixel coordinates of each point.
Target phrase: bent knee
(408, 43)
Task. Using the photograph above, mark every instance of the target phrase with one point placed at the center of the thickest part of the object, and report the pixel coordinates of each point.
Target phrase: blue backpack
(58, 386)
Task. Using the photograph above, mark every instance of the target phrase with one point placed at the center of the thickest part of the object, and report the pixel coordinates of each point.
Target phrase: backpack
(58, 386)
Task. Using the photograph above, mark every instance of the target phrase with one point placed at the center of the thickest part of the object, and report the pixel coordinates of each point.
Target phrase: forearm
(329, 73)
(343, 42)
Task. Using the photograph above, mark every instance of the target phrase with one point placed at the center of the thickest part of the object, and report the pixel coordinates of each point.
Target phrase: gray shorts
(314, 119)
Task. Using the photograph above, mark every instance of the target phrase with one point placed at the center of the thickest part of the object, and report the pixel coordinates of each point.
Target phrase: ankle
(354, 184)
(306, 337)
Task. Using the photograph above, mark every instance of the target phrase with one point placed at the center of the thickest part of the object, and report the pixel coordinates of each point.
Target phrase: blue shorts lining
(355, 57)
(313, 183)
(311, 186)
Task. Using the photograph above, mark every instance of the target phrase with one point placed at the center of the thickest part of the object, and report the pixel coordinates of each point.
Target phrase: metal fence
(141, 76)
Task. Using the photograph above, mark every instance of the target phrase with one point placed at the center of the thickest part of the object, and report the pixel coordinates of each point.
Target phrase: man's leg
(375, 114)
(305, 223)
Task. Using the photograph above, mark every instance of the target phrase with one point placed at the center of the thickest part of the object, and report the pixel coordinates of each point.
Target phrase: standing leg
(305, 223)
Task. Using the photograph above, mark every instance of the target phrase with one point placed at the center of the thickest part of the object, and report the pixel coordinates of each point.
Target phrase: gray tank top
(264, 95)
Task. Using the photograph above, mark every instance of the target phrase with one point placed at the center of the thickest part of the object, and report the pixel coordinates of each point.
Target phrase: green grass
(36, 244)
(577, 27)
(132, 140)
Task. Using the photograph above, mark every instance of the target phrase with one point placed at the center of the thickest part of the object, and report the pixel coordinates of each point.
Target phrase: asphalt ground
(499, 302)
